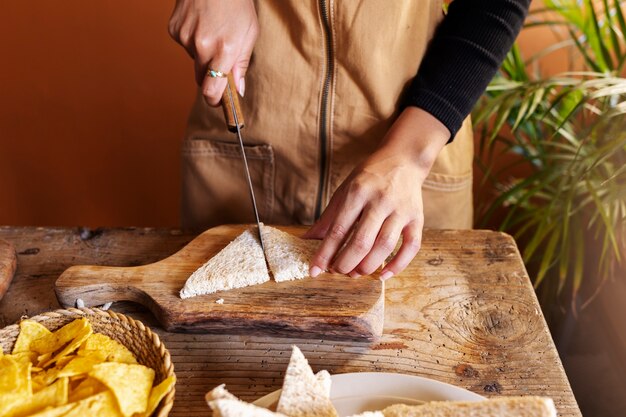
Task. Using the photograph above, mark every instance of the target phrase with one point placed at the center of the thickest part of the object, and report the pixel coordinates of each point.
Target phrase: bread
(225, 404)
(323, 378)
(497, 407)
(240, 264)
(288, 256)
(369, 414)
(237, 408)
(303, 395)
(219, 393)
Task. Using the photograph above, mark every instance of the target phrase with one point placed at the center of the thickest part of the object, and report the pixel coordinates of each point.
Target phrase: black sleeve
(466, 51)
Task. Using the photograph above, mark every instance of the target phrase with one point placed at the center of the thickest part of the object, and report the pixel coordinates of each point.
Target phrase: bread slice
(323, 379)
(236, 408)
(225, 404)
(240, 264)
(303, 394)
(369, 414)
(497, 407)
(288, 256)
(219, 393)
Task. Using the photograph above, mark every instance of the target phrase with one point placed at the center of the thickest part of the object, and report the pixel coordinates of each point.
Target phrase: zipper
(324, 110)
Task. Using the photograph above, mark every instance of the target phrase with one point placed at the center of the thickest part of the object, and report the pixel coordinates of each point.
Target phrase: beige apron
(323, 88)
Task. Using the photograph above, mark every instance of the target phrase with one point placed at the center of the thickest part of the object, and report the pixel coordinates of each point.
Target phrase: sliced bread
(219, 393)
(288, 256)
(225, 404)
(497, 407)
(323, 378)
(237, 408)
(303, 395)
(240, 264)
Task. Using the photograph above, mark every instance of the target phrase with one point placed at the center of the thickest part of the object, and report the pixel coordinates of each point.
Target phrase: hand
(380, 201)
(219, 34)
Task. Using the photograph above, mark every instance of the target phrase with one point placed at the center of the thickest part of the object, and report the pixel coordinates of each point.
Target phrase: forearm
(464, 55)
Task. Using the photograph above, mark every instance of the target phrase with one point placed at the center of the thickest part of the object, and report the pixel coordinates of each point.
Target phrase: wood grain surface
(8, 263)
(465, 314)
(331, 305)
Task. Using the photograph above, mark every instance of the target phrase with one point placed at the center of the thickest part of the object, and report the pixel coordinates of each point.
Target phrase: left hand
(380, 201)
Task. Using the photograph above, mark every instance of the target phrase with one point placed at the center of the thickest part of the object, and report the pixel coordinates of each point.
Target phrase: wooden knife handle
(232, 96)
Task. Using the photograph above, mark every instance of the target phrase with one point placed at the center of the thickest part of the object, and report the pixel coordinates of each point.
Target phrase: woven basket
(139, 339)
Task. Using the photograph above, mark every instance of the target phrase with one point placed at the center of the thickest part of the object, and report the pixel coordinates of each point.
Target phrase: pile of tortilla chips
(75, 372)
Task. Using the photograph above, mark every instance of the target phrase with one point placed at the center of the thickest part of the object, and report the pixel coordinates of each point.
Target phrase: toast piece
(304, 394)
(236, 408)
(496, 407)
(288, 256)
(219, 393)
(240, 264)
(323, 378)
(225, 404)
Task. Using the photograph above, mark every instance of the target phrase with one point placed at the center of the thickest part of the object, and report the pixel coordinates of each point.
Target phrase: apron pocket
(215, 189)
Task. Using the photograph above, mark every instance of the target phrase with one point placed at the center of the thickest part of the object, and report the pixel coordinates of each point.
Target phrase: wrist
(417, 135)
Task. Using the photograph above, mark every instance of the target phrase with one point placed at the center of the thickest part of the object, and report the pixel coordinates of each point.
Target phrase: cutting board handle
(97, 285)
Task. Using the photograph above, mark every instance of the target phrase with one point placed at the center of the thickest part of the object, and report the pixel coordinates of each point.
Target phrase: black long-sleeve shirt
(463, 56)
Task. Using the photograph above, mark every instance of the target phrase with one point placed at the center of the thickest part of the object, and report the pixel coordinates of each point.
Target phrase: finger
(344, 218)
(411, 242)
(243, 61)
(360, 242)
(213, 87)
(384, 245)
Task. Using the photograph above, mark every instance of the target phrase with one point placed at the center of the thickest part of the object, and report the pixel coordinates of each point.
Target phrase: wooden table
(470, 318)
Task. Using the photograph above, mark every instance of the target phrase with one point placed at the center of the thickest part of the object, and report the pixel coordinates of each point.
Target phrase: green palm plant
(569, 132)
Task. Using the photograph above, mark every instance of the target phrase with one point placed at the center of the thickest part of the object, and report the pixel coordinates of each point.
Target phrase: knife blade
(235, 122)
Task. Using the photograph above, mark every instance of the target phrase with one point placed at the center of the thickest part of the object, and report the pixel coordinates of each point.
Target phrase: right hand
(219, 34)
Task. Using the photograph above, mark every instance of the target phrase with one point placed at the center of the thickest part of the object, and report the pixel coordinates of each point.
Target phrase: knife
(235, 122)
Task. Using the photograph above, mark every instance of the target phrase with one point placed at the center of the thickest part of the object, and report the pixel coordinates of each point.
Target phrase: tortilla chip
(9, 402)
(86, 388)
(52, 396)
(60, 338)
(79, 365)
(42, 359)
(101, 405)
(15, 384)
(71, 346)
(55, 411)
(14, 376)
(107, 349)
(30, 330)
(157, 394)
(24, 357)
(130, 383)
(64, 361)
(44, 378)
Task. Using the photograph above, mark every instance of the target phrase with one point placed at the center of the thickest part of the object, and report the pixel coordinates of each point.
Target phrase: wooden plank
(331, 305)
(466, 315)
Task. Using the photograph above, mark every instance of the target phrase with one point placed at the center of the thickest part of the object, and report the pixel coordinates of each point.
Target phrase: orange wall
(94, 98)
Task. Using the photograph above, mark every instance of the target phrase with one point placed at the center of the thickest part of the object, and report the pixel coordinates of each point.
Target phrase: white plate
(355, 393)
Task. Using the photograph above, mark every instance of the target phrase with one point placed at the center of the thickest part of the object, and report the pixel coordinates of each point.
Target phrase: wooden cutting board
(8, 263)
(330, 306)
